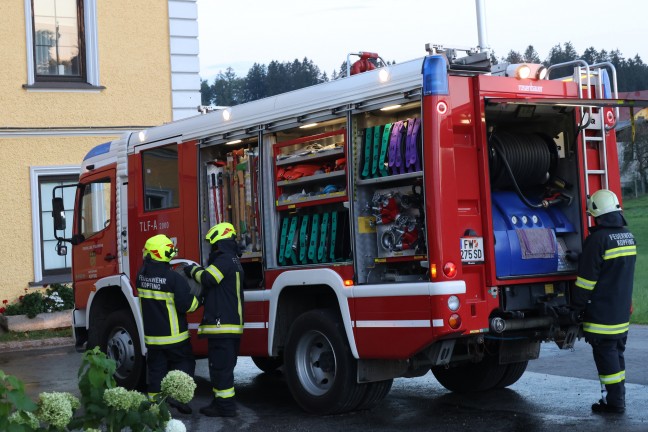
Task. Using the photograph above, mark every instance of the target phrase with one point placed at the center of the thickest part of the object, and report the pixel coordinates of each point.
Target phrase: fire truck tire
(120, 341)
(514, 372)
(471, 377)
(268, 364)
(319, 366)
(375, 393)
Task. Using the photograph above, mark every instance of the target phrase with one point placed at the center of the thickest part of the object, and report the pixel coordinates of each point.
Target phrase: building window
(161, 187)
(62, 44)
(58, 40)
(49, 267)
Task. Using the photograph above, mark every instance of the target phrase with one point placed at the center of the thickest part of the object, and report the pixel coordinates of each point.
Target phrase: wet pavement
(555, 392)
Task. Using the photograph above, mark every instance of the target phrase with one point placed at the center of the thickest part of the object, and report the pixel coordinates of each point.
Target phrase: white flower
(178, 385)
(175, 426)
(55, 408)
(18, 417)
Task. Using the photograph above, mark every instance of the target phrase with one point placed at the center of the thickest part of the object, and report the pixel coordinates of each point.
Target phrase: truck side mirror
(58, 213)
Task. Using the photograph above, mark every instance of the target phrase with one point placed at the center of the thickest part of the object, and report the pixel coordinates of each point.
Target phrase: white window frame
(34, 174)
(91, 45)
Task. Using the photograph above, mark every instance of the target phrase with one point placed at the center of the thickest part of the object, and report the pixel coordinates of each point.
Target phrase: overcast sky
(239, 33)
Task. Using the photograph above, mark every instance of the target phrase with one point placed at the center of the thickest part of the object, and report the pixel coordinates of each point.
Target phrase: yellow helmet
(160, 248)
(602, 202)
(221, 231)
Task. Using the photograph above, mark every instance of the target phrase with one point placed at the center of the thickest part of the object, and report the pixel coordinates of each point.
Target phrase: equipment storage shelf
(311, 170)
(391, 178)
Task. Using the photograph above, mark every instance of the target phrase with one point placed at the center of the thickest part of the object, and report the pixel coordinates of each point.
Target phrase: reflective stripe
(194, 305)
(585, 284)
(220, 329)
(215, 272)
(197, 275)
(606, 329)
(155, 295)
(238, 297)
(166, 340)
(224, 394)
(174, 322)
(620, 252)
(612, 379)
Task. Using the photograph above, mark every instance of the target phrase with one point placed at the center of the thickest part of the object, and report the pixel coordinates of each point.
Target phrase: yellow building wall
(134, 67)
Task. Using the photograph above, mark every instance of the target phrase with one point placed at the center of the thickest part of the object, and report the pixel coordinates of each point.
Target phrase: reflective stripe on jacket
(605, 278)
(165, 299)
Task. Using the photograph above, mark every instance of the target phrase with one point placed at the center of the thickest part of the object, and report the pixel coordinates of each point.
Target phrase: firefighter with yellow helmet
(165, 299)
(603, 294)
(222, 323)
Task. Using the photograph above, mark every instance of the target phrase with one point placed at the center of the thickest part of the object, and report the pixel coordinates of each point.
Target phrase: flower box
(43, 321)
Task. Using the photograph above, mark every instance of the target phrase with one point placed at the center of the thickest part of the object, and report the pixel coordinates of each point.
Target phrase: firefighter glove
(191, 270)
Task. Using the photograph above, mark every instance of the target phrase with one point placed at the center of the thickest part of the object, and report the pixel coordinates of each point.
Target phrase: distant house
(631, 181)
(78, 73)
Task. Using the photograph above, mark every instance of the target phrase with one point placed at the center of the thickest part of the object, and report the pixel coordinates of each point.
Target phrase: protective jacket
(605, 277)
(165, 300)
(222, 281)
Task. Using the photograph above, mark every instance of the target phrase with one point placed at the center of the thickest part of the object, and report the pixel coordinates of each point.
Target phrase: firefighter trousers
(162, 360)
(610, 363)
(223, 354)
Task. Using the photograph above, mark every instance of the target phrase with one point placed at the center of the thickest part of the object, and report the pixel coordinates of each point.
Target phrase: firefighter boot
(603, 408)
(215, 410)
(181, 407)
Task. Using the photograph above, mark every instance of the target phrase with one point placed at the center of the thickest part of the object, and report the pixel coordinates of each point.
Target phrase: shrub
(102, 407)
(57, 297)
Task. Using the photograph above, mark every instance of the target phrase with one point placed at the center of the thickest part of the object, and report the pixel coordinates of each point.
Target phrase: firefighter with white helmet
(603, 294)
(165, 299)
(222, 323)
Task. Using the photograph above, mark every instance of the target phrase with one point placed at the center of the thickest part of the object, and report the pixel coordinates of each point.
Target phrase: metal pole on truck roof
(481, 27)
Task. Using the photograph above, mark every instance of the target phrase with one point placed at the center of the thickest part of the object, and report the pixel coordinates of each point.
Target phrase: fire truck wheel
(120, 342)
(320, 369)
(514, 372)
(471, 377)
(376, 392)
(268, 364)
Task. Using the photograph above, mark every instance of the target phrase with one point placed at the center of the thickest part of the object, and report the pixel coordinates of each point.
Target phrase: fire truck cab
(423, 216)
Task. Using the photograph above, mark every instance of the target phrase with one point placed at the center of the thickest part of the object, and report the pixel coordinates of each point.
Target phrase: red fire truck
(417, 217)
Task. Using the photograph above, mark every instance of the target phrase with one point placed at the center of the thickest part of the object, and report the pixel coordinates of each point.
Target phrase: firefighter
(222, 322)
(165, 299)
(603, 295)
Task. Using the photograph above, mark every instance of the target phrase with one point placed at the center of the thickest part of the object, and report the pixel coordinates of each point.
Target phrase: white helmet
(602, 202)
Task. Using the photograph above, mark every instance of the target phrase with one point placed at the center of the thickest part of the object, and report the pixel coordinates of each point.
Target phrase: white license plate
(472, 249)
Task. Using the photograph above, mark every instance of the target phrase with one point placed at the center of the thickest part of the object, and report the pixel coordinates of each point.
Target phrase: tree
(206, 93)
(557, 55)
(530, 55)
(255, 83)
(513, 57)
(228, 88)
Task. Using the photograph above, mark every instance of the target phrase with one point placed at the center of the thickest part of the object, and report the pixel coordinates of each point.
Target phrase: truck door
(95, 232)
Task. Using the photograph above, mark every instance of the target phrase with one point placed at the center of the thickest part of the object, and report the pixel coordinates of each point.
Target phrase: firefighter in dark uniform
(222, 322)
(165, 299)
(603, 295)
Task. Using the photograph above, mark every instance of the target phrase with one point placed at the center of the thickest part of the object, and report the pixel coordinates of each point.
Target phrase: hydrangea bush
(103, 406)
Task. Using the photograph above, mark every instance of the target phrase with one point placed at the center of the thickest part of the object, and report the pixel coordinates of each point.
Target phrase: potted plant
(37, 310)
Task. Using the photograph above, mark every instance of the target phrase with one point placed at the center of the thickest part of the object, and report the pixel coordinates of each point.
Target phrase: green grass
(36, 334)
(636, 213)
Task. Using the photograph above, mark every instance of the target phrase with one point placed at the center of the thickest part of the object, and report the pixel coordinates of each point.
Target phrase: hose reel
(521, 161)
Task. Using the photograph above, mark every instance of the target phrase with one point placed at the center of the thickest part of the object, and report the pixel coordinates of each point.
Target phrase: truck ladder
(593, 83)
